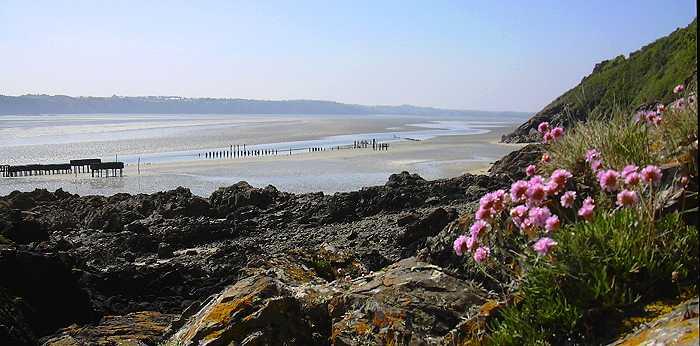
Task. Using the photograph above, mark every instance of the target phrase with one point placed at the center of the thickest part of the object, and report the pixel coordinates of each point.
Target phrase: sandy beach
(327, 171)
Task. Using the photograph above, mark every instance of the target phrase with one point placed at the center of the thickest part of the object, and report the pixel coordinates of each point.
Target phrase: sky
(486, 55)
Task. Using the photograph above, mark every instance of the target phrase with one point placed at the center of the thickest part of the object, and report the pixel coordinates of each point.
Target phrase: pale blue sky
(490, 55)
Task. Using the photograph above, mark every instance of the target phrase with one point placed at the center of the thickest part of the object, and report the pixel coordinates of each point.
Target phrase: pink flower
(651, 174)
(543, 127)
(633, 178)
(592, 154)
(627, 198)
(530, 170)
(546, 158)
(678, 89)
(536, 180)
(519, 211)
(560, 176)
(567, 199)
(535, 193)
(478, 227)
(548, 137)
(539, 216)
(460, 245)
(552, 223)
(557, 132)
(518, 190)
(596, 165)
(482, 254)
(629, 169)
(471, 243)
(544, 245)
(586, 210)
(551, 188)
(483, 214)
(608, 180)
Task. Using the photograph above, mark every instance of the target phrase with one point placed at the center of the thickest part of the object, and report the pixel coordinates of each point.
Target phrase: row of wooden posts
(94, 166)
(239, 151)
(106, 169)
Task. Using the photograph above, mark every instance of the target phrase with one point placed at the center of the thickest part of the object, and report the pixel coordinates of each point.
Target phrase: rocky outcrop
(168, 252)
(513, 165)
(409, 302)
(134, 329)
(678, 327)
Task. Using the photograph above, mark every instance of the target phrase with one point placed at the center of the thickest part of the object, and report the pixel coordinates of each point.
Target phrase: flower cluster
(528, 203)
(549, 135)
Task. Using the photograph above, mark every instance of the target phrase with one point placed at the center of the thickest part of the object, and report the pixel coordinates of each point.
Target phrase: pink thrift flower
(592, 154)
(536, 180)
(608, 180)
(460, 245)
(551, 188)
(544, 245)
(482, 254)
(633, 178)
(552, 223)
(627, 198)
(519, 211)
(546, 158)
(483, 214)
(596, 165)
(471, 243)
(567, 199)
(518, 190)
(478, 227)
(651, 174)
(660, 108)
(560, 176)
(539, 216)
(530, 170)
(557, 132)
(678, 89)
(536, 193)
(629, 169)
(543, 127)
(548, 137)
(586, 211)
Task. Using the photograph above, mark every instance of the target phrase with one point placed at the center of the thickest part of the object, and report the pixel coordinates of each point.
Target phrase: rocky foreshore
(246, 265)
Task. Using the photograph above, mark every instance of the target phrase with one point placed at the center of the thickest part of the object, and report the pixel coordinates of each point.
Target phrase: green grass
(602, 269)
(622, 141)
(647, 75)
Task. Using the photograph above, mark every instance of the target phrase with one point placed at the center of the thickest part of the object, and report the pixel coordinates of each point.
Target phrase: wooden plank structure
(104, 168)
(83, 165)
(36, 169)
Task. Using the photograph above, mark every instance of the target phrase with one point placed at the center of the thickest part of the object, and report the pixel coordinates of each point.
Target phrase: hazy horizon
(508, 56)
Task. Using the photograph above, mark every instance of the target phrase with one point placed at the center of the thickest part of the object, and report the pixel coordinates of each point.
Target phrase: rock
(679, 327)
(138, 328)
(48, 288)
(165, 251)
(225, 200)
(14, 324)
(404, 179)
(427, 226)
(513, 165)
(409, 301)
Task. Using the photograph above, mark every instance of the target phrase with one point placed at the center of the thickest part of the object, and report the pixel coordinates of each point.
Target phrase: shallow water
(158, 141)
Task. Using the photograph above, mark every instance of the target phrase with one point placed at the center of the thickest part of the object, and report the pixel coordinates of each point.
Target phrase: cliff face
(646, 76)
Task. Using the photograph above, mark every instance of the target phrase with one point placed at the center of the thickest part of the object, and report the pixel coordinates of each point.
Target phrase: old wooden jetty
(36, 169)
(83, 165)
(104, 168)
